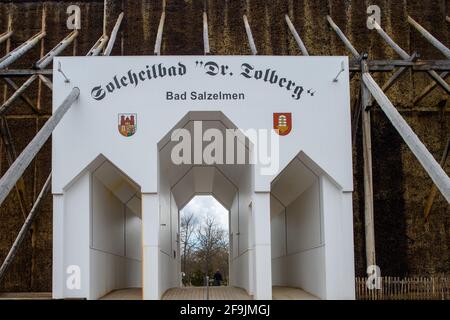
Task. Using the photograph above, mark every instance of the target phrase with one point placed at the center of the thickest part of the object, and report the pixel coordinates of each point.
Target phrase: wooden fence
(414, 288)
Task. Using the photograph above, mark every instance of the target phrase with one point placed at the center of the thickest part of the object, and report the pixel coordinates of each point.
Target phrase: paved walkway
(215, 293)
(191, 293)
(124, 294)
(199, 293)
(286, 293)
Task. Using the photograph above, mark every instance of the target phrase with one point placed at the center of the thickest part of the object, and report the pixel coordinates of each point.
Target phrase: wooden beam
(10, 149)
(251, 41)
(24, 97)
(206, 48)
(5, 36)
(46, 81)
(105, 12)
(15, 171)
(98, 46)
(433, 191)
(25, 228)
(429, 88)
(422, 154)
(159, 35)
(24, 72)
(405, 56)
(21, 50)
(368, 177)
(11, 155)
(438, 45)
(112, 38)
(431, 39)
(390, 65)
(354, 65)
(357, 107)
(296, 36)
(343, 38)
(390, 82)
(5, 106)
(63, 44)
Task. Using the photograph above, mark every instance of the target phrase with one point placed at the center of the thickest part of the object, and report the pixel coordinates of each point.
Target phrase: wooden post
(21, 50)
(159, 35)
(368, 178)
(5, 36)
(296, 36)
(431, 39)
(422, 154)
(25, 227)
(16, 170)
(205, 34)
(433, 191)
(114, 32)
(344, 39)
(105, 9)
(251, 42)
(98, 46)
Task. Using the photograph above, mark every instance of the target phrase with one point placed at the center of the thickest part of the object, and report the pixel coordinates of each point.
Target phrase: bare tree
(188, 225)
(212, 239)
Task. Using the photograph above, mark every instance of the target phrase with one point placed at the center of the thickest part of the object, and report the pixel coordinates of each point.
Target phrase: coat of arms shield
(283, 123)
(127, 124)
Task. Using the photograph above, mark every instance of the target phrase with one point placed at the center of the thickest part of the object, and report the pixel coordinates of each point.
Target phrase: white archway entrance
(127, 112)
(229, 184)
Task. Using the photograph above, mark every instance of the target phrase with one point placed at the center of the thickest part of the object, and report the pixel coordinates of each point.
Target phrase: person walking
(217, 278)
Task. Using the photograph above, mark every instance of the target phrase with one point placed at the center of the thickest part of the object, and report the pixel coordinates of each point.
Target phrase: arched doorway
(229, 184)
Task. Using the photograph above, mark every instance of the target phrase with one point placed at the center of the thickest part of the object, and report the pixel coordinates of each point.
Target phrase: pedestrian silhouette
(217, 278)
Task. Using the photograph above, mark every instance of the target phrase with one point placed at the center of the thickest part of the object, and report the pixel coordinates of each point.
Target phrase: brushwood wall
(405, 244)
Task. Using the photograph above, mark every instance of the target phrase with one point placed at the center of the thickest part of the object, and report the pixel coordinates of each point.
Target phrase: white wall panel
(133, 236)
(77, 234)
(108, 220)
(115, 255)
(278, 235)
(303, 221)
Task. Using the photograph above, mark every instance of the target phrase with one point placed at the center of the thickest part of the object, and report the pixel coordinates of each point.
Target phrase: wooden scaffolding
(371, 95)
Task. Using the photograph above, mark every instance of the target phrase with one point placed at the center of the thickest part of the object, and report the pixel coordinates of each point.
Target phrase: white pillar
(262, 248)
(338, 236)
(150, 238)
(348, 277)
(58, 247)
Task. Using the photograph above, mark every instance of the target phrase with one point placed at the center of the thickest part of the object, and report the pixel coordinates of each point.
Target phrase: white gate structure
(117, 186)
(289, 194)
